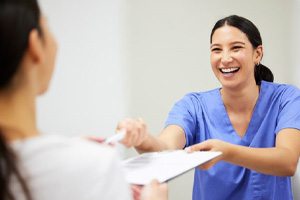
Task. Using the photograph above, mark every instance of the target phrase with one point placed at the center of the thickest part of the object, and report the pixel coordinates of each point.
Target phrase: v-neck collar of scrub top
(255, 118)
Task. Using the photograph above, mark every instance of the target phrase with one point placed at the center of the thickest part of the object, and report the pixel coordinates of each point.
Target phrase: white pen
(116, 137)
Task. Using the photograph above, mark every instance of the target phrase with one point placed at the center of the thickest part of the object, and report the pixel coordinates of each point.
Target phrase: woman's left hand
(211, 145)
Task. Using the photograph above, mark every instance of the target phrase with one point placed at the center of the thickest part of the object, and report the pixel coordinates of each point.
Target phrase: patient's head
(24, 41)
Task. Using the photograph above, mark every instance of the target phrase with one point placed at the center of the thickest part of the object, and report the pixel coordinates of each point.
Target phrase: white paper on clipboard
(164, 165)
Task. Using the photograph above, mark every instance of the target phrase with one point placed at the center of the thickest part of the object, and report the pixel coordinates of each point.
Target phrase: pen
(116, 137)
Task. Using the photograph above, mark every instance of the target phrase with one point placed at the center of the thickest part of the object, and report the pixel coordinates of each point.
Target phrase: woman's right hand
(136, 131)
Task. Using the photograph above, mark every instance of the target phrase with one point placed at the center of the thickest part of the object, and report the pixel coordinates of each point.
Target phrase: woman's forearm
(172, 137)
(273, 161)
(151, 144)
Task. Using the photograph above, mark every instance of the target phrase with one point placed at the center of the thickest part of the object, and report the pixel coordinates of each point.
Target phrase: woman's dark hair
(17, 19)
(261, 72)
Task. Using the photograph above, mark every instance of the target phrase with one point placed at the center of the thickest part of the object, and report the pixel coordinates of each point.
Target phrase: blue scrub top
(203, 116)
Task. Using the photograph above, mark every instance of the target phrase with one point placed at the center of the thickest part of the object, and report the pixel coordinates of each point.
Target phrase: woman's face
(233, 58)
(49, 51)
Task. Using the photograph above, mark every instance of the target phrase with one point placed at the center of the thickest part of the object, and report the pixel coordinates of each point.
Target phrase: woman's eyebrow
(238, 42)
(214, 45)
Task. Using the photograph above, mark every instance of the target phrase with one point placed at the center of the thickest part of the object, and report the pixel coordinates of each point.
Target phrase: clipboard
(164, 165)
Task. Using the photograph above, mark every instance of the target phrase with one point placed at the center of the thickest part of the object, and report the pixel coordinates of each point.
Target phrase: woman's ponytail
(262, 73)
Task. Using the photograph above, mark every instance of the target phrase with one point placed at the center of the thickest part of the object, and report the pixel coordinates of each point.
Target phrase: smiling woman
(236, 44)
(254, 122)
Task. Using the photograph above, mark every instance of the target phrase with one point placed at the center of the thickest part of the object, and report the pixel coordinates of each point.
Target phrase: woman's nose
(226, 58)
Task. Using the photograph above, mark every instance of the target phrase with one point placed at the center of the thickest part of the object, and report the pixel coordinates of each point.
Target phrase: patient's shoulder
(68, 168)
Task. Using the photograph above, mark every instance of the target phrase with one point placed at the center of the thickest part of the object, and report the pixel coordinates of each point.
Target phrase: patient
(34, 166)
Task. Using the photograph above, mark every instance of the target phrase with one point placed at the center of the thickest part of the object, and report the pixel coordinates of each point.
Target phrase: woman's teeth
(229, 70)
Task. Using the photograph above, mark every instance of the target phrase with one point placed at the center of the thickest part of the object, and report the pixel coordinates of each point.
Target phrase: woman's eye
(236, 48)
(215, 49)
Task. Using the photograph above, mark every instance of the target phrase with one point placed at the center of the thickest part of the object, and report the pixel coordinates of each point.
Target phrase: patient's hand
(136, 191)
(155, 191)
(95, 139)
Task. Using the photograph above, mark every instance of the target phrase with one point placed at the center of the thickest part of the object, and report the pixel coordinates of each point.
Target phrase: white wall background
(87, 94)
(135, 58)
(295, 42)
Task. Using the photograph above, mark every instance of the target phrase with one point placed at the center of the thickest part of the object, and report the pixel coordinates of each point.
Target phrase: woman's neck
(17, 115)
(241, 100)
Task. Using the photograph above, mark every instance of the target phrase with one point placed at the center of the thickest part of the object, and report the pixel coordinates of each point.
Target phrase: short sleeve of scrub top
(289, 110)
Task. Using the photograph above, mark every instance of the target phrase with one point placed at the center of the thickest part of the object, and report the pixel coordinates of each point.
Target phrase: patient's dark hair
(17, 19)
(246, 26)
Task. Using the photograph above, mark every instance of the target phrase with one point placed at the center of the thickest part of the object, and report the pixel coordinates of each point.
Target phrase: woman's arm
(137, 135)
(280, 160)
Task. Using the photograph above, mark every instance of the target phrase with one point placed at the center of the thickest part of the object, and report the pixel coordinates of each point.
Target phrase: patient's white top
(59, 168)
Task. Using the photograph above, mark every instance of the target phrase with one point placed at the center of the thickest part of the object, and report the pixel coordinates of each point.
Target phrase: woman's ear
(258, 54)
(35, 47)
